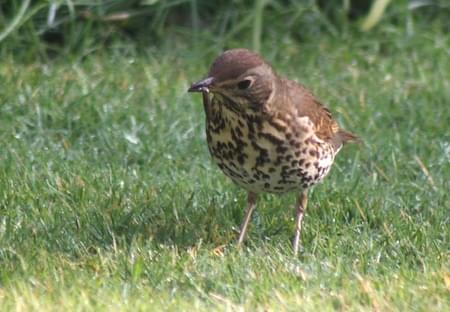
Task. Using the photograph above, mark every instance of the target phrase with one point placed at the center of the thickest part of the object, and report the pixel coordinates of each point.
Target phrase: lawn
(109, 199)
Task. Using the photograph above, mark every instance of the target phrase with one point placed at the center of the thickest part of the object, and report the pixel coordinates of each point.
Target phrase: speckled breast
(264, 154)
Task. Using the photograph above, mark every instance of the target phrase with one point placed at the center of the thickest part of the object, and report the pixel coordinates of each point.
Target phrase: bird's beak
(202, 85)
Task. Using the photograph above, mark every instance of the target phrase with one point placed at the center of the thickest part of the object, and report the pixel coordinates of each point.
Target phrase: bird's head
(241, 76)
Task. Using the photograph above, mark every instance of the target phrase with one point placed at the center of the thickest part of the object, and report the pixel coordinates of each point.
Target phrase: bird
(267, 133)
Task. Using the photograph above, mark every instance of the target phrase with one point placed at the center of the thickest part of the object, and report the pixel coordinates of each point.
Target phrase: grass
(109, 200)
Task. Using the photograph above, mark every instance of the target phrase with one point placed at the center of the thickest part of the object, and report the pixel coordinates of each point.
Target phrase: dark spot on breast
(241, 158)
(250, 127)
(271, 138)
(278, 161)
(265, 176)
(238, 131)
(237, 140)
(281, 149)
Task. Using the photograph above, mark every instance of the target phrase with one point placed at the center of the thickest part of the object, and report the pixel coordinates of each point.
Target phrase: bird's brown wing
(305, 104)
(326, 127)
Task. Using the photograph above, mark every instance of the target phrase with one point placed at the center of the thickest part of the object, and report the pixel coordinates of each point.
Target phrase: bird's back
(294, 98)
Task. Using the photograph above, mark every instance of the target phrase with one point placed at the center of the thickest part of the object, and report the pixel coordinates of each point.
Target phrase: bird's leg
(251, 202)
(302, 201)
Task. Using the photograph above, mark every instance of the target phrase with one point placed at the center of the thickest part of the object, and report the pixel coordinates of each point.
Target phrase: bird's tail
(347, 137)
(343, 137)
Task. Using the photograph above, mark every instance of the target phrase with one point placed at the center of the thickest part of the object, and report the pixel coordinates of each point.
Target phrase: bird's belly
(261, 163)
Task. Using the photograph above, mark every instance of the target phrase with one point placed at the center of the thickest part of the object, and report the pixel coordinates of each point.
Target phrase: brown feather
(292, 96)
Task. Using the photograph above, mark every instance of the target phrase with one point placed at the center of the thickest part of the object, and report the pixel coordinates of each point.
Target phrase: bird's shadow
(214, 223)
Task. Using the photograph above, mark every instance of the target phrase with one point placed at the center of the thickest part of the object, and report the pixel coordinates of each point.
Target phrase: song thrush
(265, 132)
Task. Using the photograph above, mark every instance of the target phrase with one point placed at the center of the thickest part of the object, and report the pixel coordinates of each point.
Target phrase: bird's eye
(244, 84)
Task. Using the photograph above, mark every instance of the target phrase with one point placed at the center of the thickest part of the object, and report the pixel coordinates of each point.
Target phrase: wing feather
(294, 97)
